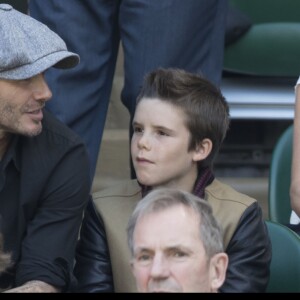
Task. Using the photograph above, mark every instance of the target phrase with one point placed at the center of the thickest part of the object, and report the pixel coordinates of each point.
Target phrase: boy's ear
(202, 150)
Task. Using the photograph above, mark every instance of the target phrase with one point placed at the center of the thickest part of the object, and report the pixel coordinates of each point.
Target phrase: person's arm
(295, 175)
(93, 267)
(249, 252)
(34, 286)
(48, 248)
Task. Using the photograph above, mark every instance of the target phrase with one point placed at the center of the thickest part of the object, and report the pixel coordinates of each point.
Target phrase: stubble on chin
(30, 132)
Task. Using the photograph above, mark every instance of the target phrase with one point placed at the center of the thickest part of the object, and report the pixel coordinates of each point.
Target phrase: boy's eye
(162, 133)
(137, 129)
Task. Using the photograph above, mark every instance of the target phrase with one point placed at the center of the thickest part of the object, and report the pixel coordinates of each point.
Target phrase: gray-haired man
(176, 244)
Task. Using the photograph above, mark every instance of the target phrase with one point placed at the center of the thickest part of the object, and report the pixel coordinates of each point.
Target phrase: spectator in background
(176, 244)
(44, 170)
(170, 33)
(295, 176)
(180, 122)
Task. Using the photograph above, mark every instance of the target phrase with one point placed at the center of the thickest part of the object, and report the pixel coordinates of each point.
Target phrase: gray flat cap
(28, 47)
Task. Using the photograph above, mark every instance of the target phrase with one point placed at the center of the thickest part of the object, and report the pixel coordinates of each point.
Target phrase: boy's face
(159, 146)
(21, 103)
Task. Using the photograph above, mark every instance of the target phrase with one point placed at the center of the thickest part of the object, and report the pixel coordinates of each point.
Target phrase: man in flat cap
(44, 169)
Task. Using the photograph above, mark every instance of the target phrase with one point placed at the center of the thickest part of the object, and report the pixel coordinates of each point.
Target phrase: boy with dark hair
(180, 122)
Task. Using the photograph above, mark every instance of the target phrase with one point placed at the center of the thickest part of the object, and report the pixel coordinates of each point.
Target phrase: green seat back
(266, 50)
(285, 264)
(271, 46)
(268, 11)
(280, 178)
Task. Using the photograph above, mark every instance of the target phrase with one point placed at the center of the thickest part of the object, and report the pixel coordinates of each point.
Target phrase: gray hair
(160, 199)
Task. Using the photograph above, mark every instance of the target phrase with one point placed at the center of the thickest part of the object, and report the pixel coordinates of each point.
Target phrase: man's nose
(160, 267)
(41, 89)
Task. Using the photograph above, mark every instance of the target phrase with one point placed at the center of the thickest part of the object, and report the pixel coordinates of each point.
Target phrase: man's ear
(202, 150)
(218, 268)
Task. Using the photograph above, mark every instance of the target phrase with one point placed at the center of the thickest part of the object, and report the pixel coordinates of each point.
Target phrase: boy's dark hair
(205, 108)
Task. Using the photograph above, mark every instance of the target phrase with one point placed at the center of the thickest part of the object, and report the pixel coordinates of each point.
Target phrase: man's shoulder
(54, 142)
(58, 130)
